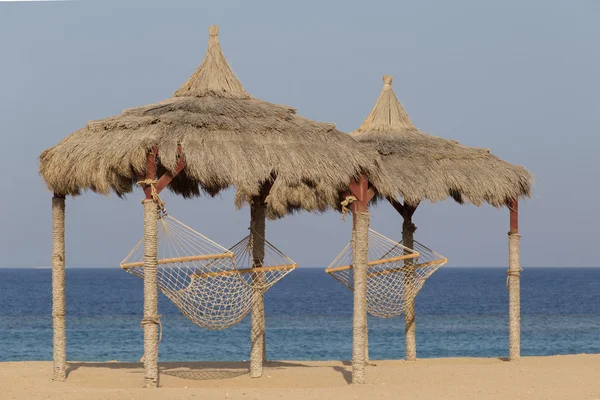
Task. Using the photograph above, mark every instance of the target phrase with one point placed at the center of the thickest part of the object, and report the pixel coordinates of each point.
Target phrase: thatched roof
(425, 167)
(228, 138)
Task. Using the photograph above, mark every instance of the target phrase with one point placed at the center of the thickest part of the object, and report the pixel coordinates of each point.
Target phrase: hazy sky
(519, 77)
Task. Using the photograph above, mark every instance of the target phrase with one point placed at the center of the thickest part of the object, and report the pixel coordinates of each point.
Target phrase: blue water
(460, 312)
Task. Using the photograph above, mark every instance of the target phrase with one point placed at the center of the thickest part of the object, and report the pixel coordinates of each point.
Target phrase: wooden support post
(410, 328)
(58, 289)
(354, 209)
(408, 230)
(514, 284)
(366, 329)
(360, 252)
(258, 352)
(150, 322)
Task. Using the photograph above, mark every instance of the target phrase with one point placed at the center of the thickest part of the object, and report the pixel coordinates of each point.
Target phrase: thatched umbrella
(424, 167)
(210, 135)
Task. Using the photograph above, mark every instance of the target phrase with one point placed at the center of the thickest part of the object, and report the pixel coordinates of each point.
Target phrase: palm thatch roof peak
(214, 76)
(387, 115)
(425, 167)
(226, 139)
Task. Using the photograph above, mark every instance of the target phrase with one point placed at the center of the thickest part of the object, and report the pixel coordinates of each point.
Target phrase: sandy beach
(556, 377)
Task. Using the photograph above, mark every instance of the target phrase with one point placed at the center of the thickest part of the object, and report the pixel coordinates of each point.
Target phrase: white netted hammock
(395, 273)
(211, 285)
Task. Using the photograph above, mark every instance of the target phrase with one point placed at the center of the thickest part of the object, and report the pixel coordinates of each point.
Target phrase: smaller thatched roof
(426, 167)
(228, 138)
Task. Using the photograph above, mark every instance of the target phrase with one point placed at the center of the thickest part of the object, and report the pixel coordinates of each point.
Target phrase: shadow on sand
(201, 371)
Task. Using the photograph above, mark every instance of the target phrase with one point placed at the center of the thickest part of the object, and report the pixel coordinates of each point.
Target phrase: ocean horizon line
(323, 267)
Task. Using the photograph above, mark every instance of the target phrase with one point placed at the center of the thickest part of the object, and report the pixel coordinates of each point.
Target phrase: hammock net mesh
(202, 278)
(395, 273)
(262, 272)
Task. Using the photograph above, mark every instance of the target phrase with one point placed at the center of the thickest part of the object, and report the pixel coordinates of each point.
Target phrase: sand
(557, 377)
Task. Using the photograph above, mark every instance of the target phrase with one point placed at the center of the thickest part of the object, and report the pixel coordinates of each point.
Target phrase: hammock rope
(154, 193)
(346, 205)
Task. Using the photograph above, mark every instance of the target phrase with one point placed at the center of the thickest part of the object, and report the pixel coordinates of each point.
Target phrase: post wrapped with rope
(257, 329)
(150, 322)
(151, 184)
(410, 329)
(58, 289)
(359, 322)
(513, 281)
(514, 301)
(260, 265)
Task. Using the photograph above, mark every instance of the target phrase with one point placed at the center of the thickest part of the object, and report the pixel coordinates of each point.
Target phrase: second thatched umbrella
(209, 136)
(424, 167)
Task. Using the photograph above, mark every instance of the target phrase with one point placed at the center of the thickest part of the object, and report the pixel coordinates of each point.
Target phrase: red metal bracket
(514, 216)
(166, 178)
(363, 193)
(169, 176)
(360, 189)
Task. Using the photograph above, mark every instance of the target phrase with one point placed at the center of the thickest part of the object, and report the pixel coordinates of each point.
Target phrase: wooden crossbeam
(180, 259)
(407, 211)
(166, 178)
(376, 262)
(169, 176)
(363, 193)
(406, 268)
(245, 271)
(416, 266)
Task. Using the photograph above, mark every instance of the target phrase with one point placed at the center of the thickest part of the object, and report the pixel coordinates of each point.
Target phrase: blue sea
(460, 312)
